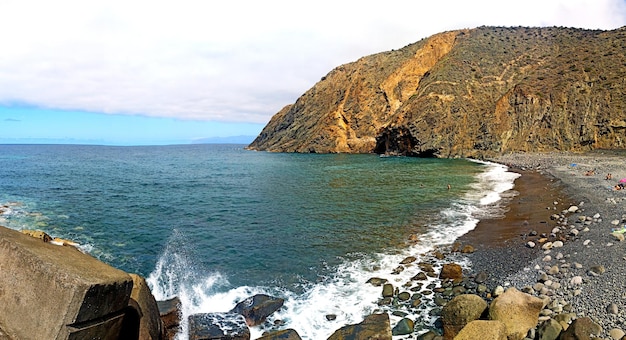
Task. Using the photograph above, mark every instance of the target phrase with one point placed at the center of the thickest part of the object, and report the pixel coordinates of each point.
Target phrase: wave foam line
(345, 293)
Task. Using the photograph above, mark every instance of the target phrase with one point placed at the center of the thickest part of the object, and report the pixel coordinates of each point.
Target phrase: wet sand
(529, 210)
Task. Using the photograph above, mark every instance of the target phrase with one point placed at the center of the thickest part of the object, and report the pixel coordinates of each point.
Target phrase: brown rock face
(467, 93)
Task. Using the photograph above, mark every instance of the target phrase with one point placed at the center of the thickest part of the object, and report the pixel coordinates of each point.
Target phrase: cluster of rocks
(236, 323)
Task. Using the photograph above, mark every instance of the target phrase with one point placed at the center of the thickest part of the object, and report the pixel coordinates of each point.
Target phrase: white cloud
(228, 60)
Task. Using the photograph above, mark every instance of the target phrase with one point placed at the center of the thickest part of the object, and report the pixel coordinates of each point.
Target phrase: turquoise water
(215, 223)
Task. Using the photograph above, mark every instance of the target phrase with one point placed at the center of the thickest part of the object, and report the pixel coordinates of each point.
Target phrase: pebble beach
(558, 240)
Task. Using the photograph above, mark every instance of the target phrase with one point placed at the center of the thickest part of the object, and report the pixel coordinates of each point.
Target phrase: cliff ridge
(466, 93)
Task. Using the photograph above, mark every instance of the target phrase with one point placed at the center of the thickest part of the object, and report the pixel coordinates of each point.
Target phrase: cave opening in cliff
(399, 141)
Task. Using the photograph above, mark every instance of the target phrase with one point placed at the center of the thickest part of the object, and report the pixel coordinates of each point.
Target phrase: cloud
(12, 120)
(235, 61)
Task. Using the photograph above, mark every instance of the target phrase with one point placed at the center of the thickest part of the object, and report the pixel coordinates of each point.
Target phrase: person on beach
(590, 172)
(620, 186)
(608, 176)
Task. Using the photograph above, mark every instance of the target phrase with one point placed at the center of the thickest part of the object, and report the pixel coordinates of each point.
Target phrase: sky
(137, 72)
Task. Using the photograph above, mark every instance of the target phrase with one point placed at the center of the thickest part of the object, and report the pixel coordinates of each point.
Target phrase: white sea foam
(345, 294)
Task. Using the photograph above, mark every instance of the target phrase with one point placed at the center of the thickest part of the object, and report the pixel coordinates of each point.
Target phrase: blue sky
(161, 72)
(39, 126)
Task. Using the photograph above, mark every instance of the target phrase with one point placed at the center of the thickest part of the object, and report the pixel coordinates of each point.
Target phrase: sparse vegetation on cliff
(467, 93)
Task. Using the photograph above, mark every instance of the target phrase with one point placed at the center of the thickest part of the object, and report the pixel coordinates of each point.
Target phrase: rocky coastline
(578, 264)
(557, 255)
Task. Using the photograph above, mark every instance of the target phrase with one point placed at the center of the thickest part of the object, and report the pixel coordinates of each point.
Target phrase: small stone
(557, 244)
(576, 280)
(497, 291)
(530, 244)
(572, 209)
(578, 265)
(481, 277)
(618, 236)
(547, 258)
(388, 290)
(547, 246)
(597, 270)
(404, 296)
(586, 242)
(612, 309)
(376, 281)
(615, 222)
(331, 317)
(559, 256)
(574, 232)
(553, 270)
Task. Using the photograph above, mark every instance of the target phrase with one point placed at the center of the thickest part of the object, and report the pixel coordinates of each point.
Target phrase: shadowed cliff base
(468, 93)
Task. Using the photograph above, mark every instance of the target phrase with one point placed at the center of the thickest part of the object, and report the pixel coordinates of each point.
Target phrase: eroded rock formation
(466, 93)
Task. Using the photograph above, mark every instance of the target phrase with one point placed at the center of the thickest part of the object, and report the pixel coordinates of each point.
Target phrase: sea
(215, 224)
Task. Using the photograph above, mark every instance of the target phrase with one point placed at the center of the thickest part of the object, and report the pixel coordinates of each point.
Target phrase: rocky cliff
(467, 93)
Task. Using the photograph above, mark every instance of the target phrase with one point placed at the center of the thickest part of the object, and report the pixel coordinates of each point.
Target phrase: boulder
(374, 327)
(223, 326)
(169, 311)
(484, 330)
(257, 308)
(52, 292)
(460, 311)
(549, 330)
(403, 327)
(518, 311)
(581, 329)
(451, 271)
(144, 307)
(285, 334)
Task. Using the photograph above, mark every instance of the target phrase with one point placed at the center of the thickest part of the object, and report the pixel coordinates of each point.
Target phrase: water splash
(343, 296)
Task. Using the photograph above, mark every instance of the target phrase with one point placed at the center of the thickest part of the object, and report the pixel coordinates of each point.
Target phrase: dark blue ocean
(214, 224)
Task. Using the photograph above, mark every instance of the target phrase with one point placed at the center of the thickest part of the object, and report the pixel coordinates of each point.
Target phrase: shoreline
(550, 184)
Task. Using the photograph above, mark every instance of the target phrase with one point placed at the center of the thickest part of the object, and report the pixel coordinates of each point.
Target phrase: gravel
(587, 274)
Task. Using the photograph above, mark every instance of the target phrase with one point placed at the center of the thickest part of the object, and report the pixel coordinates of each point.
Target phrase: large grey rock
(54, 292)
(257, 308)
